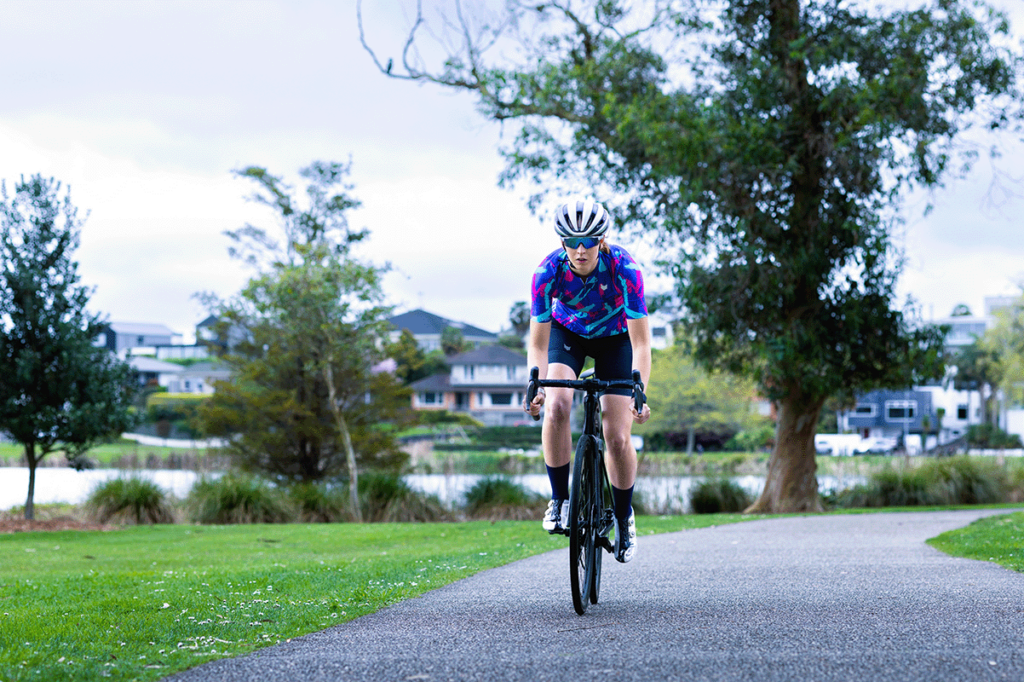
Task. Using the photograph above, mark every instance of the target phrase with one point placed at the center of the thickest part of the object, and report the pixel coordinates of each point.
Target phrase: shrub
(238, 498)
(386, 497)
(991, 437)
(317, 503)
(753, 440)
(130, 500)
(718, 495)
(956, 480)
(496, 497)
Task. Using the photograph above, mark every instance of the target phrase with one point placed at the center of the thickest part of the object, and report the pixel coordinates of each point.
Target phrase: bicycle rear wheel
(582, 529)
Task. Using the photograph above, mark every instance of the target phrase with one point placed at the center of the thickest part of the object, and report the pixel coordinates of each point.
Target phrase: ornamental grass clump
(385, 497)
(319, 503)
(718, 495)
(130, 500)
(947, 481)
(498, 498)
(238, 498)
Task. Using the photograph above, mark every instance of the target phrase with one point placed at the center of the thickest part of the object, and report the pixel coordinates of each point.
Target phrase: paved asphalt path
(852, 597)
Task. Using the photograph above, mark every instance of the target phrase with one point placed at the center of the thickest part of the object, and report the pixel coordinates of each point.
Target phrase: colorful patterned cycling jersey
(594, 306)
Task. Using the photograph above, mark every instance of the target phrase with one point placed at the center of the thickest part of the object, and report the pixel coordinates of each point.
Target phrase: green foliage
(978, 368)
(453, 342)
(753, 440)
(955, 480)
(717, 495)
(446, 417)
(408, 355)
(686, 398)
(385, 497)
(512, 342)
(305, 402)
(519, 318)
(130, 500)
(991, 437)
(1006, 341)
(319, 503)
(498, 497)
(59, 391)
(238, 498)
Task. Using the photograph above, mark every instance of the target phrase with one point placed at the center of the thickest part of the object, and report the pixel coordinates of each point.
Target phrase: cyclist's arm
(640, 339)
(537, 347)
(537, 356)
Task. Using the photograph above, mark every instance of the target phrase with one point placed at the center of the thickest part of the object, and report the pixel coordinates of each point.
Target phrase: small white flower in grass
(165, 606)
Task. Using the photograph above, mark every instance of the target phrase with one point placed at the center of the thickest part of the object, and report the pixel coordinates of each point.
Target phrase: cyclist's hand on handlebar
(534, 407)
(642, 416)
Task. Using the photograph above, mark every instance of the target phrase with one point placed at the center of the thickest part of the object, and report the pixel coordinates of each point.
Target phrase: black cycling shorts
(613, 355)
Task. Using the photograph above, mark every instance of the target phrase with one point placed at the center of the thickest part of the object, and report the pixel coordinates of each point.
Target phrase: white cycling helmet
(581, 218)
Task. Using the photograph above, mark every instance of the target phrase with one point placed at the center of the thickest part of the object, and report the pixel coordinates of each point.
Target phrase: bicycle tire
(600, 502)
(582, 533)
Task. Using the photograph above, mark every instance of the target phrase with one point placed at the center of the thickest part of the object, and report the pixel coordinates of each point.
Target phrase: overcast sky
(144, 108)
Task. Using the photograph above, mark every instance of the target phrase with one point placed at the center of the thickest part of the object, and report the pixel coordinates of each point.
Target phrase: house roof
(206, 368)
(140, 329)
(491, 354)
(141, 363)
(436, 382)
(440, 383)
(421, 322)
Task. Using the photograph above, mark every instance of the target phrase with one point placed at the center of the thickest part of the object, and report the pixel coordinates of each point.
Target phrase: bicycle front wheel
(582, 527)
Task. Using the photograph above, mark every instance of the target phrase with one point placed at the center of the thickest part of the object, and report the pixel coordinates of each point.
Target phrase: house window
(961, 412)
(430, 398)
(501, 399)
(470, 371)
(864, 410)
(510, 372)
(900, 410)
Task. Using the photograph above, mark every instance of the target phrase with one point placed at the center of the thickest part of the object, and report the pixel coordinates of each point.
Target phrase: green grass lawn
(999, 539)
(144, 602)
(105, 455)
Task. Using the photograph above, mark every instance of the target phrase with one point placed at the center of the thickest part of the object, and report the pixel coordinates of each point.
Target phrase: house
(153, 372)
(487, 383)
(198, 378)
(427, 328)
(124, 337)
(965, 329)
(893, 417)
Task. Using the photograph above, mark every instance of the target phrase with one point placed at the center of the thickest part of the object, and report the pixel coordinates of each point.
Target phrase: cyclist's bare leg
(556, 435)
(620, 456)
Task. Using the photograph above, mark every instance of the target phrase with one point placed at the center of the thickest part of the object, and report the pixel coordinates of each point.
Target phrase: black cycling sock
(559, 477)
(623, 500)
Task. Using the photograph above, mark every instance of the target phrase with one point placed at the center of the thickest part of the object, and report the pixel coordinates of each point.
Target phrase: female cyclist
(588, 300)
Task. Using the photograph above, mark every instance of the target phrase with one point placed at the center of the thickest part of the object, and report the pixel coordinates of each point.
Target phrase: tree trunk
(791, 485)
(30, 459)
(346, 439)
(691, 439)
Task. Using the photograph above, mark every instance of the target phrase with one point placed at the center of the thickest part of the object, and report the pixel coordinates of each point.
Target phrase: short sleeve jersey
(594, 306)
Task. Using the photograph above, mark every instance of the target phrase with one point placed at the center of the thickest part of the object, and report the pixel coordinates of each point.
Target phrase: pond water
(58, 484)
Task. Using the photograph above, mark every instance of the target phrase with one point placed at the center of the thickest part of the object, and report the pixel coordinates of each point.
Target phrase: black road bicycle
(590, 496)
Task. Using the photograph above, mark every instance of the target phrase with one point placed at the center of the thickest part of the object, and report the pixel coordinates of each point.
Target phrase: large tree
(309, 398)
(59, 391)
(1005, 341)
(765, 144)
